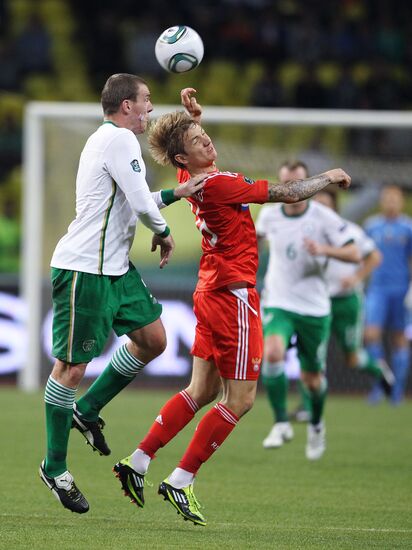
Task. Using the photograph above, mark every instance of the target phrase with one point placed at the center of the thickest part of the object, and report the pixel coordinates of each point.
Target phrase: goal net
(374, 147)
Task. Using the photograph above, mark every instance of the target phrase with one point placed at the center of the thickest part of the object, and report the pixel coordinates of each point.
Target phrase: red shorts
(229, 331)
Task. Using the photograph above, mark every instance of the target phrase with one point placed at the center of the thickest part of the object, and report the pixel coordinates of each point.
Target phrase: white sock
(140, 461)
(181, 478)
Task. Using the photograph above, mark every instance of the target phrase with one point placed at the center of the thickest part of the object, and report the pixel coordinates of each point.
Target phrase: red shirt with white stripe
(222, 214)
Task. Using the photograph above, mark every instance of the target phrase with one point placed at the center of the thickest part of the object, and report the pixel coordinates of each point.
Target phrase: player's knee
(68, 374)
(399, 341)
(248, 404)
(241, 406)
(152, 346)
(274, 353)
(312, 381)
(353, 359)
(372, 334)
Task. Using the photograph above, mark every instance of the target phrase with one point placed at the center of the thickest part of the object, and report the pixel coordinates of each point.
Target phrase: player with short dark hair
(302, 238)
(388, 286)
(228, 347)
(95, 287)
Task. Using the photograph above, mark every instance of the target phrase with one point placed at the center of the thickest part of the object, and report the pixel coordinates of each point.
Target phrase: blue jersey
(393, 237)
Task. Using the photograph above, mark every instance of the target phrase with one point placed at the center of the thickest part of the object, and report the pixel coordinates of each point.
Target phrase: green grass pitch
(359, 496)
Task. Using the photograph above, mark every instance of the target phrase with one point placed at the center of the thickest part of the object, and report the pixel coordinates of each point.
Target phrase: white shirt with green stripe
(111, 196)
(295, 280)
(337, 270)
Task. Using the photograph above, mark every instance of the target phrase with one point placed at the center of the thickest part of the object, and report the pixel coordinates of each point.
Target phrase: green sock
(276, 383)
(59, 412)
(117, 375)
(317, 400)
(366, 363)
(304, 397)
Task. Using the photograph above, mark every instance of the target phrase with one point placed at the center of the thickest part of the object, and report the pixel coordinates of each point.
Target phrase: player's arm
(191, 105)
(123, 162)
(369, 263)
(349, 252)
(165, 197)
(298, 190)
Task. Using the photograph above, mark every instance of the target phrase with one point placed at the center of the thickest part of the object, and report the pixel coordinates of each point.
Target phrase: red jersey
(229, 243)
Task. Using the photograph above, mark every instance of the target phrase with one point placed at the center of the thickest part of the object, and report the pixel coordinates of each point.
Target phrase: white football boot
(316, 442)
(280, 433)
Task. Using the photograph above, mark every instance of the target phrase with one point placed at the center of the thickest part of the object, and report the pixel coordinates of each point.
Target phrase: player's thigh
(137, 307)
(278, 329)
(82, 315)
(312, 342)
(376, 308)
(205, 383)
(347, 322)
(235, 331)
(203, 343)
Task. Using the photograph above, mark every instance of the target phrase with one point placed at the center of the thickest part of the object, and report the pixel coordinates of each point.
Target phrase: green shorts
(312, 335)
(347, 321)
(86, 307)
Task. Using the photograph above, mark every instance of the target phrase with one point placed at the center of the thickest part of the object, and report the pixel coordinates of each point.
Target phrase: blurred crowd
(313, 53)
(288, 53)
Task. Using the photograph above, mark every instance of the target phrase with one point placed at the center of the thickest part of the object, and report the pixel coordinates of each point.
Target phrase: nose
(150, 107)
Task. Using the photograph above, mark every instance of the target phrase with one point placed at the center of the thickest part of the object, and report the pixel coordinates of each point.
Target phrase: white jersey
(111, 195)
(337, 270)
(295, 280)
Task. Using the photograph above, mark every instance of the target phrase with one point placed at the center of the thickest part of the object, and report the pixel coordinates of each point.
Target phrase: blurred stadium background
(352, 54)
(284, 54)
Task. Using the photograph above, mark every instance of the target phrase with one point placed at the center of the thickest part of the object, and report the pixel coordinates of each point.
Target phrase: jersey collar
(294, 215)
(110, 122)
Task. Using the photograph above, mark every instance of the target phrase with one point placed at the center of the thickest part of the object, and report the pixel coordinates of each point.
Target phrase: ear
(181, 159)
(125, 107)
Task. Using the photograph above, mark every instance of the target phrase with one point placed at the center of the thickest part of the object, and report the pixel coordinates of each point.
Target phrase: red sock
(211, 432)
(172, 418)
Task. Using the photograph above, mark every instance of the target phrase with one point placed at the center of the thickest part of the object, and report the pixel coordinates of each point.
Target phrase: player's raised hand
(167, 246)
(190, 103)
(190, 187)
(340, 177)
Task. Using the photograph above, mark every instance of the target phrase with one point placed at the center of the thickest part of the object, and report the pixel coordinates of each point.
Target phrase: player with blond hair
(228, 347)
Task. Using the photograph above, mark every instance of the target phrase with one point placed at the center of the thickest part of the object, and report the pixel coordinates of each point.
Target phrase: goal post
(251, 140)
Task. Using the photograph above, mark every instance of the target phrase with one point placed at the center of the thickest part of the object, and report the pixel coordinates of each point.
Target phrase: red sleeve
(227, 188)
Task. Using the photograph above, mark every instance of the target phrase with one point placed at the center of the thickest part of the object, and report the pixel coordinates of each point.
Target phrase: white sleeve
(365, 244)
(125, 164)
(260, 224)
(337, 230)
(157, 197)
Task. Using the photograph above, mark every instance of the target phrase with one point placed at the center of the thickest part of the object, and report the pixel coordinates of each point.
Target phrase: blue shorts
(385, 308)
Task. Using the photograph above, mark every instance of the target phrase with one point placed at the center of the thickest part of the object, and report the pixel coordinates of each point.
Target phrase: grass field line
(221, 524)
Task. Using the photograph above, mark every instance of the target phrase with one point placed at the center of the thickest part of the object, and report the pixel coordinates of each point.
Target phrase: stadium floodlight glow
(77, 119)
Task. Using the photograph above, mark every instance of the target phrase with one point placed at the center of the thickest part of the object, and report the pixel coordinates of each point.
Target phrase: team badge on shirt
(135, 165)
(88, 345)
(248, 180)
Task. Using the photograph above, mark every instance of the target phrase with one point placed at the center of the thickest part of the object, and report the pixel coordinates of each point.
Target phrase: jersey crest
(135, 165)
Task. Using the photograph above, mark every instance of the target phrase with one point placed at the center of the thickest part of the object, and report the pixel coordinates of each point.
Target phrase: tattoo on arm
(297, 190)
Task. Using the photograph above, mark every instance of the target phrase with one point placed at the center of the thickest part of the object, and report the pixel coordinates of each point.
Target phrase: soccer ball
(179, 49)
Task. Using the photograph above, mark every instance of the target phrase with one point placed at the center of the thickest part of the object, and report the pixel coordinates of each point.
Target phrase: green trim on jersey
(282, 208)
(104, 228)
(72, 317)
(110, 122)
